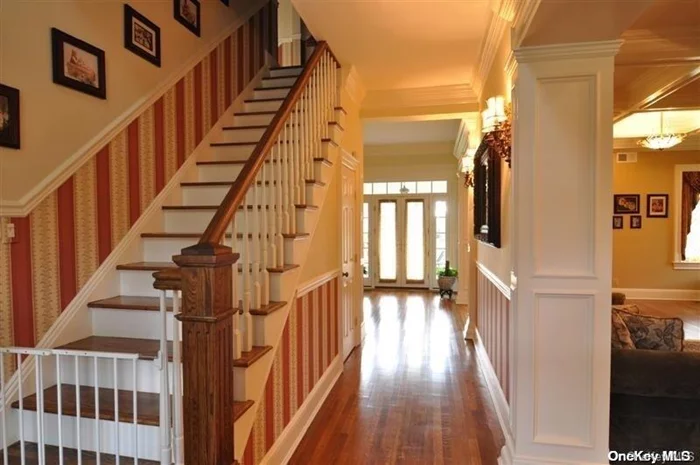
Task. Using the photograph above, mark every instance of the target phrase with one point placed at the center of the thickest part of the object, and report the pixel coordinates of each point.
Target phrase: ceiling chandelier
(662, 140)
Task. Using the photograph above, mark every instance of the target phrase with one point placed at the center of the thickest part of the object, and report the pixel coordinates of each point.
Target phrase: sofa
(655, 389)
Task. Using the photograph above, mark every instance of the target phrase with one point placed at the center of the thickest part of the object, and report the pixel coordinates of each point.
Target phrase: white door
(349, 259)
(403, 253)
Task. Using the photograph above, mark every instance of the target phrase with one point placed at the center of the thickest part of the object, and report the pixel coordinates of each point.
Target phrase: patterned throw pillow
(620, 337)
(653, 333)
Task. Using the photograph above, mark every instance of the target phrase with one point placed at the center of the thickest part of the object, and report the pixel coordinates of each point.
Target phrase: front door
(402, 249)
(349, 258)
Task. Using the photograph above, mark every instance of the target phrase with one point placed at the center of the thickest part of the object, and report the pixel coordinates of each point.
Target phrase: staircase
(275, 160)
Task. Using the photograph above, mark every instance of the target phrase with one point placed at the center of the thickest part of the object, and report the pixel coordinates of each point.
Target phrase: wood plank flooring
(412, 394)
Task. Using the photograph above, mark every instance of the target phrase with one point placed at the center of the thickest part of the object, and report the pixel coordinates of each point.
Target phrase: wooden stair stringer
(244, 425)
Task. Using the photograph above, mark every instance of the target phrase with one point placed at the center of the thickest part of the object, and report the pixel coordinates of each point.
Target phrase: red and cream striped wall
(493, 324)
(61, 243)
(309, 344)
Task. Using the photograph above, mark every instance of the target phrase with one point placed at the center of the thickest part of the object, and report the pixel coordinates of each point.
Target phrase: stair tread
(232, 144)
(276, 269)
(215, 207)
(254, 113)
(146, 266)
(131, 302)
(272, 99)
(251, 356)
(70, 456)
(274, 68)
(239, 128)
(148, 403)
(240, 407)
(230, 183)
(273, 88)
(157, 266)
(243, 162)
(146, 348)
(127, 302)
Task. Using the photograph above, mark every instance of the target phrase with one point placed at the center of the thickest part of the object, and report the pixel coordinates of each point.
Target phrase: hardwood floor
(687, 311)
(412, 394)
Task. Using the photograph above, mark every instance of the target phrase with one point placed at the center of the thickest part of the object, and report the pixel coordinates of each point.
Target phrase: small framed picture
(78, 65)
(187, 13)
(618, 222)
(141, 36)
(636, 222)
(626, 204)
(657, 205)
(9, 117)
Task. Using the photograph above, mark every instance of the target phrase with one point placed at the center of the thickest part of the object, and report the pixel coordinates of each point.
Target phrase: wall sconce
(496, 126)
(467, 167)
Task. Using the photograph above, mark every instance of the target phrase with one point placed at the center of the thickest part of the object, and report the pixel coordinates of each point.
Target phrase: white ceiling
(400, 44)
(409, 132)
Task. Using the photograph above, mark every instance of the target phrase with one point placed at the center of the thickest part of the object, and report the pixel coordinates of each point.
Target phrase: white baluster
(76, 364)
(20, 382)
(39, 382)
(116, 410)
(96, 383)
(279, 208)
(165, 448)
(265, 234)
(257, 213)
(235, 301)
(285, 183)
(3, 396)
(273, 211)
(179, 441)
(296, 154)
(60, 409)
(135, 408)
(247, 330)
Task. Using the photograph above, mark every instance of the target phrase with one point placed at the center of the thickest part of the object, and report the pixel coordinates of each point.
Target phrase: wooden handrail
(234, 197)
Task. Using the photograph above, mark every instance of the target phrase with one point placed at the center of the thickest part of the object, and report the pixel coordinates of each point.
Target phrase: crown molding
(511, 66)
(355, 87)
(525, 13)
(504, 14)
(538, 53)
(462, 141)
(420, 97)
(28, 202)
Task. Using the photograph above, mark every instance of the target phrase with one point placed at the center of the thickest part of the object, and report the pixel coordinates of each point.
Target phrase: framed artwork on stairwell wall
(78, 65)
(626, 204)
(141, 36)
(188, 13)
(657, 205)
(9, 117)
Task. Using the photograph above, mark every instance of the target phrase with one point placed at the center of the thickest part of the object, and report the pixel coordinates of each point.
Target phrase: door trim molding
(349, 160)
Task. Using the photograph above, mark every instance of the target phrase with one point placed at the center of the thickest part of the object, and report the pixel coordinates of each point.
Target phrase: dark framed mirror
(487, 196)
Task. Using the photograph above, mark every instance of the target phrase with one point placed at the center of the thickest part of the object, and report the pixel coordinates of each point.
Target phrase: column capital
(602, 49)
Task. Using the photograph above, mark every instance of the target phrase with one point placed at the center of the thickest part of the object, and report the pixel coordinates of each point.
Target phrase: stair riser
(252, 120)
(286, 82)
(271, 93)
(262, 105)
(138, 283)
(285, 72)
(279, 282)
(240, 135)
(340, 117)
(147, 374)
(214, 195)
(140, 324)
(196, 221)
(218, 173)
(335, 133)
(148, 436)
(232, 152)
(267, 327)
(248, 381)
(161, 249)
(323, 172)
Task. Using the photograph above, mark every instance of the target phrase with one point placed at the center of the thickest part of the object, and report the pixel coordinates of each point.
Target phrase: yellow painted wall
(56, 121)
(499, 261)
(643, 258)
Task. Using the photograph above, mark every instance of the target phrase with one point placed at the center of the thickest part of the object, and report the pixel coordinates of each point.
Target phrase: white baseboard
(660, 294)
(499, 400)
(283, 449)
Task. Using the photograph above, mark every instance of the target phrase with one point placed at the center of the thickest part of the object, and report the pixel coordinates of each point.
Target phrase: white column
(463, 216)
(562, 239)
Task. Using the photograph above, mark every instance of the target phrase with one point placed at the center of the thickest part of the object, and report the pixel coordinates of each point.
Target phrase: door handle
(346, 274)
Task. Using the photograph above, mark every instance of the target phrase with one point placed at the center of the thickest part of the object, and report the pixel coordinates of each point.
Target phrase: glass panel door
(366, 267)
(388, 244)
(414, 228)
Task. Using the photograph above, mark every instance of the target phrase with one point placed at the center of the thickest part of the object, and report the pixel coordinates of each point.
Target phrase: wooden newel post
(207, 353)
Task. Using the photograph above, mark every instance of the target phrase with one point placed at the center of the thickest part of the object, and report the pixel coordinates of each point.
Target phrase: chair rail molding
(500, 285)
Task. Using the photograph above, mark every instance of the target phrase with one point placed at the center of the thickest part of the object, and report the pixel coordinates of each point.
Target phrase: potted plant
(446, 279)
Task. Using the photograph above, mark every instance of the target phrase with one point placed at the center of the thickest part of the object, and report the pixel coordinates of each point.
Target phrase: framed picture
(187, 13)
(626, 204)
(9, 117)
(141, 36)
(636, 222)
(78, 65)
(618, 222)
(657, 205)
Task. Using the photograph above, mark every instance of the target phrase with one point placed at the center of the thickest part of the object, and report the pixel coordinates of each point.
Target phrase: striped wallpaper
(64, 239)
(309, 345)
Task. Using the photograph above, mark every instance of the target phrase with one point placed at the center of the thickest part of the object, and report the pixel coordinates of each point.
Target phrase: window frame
(678, 263)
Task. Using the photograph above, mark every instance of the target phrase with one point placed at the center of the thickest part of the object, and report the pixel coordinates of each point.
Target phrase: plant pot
(446, 283)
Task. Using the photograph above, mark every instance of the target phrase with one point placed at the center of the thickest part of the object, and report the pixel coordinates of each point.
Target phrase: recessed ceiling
(410, 132)
(400, 44)
(648, 123)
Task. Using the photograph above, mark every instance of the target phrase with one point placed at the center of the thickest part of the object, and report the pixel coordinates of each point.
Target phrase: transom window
(405, 187)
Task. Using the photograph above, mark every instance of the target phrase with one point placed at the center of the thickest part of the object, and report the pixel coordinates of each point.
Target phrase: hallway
(413, 392)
